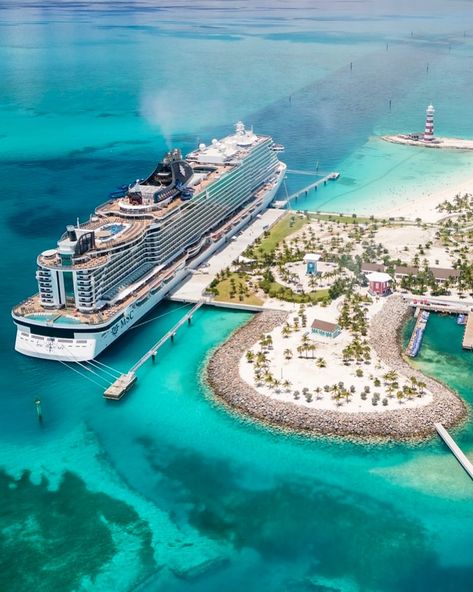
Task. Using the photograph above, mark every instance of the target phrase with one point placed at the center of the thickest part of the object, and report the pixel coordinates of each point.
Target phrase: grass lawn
(287, 225)
(342, 219)
(277, 290)
(224, 289)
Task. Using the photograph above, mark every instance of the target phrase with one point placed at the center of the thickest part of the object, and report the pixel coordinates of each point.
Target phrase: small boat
(333, 176)
(277, 148)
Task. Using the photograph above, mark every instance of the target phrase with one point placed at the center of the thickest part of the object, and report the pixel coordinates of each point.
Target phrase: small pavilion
(325, 328)
(311, 259)
(379, 283)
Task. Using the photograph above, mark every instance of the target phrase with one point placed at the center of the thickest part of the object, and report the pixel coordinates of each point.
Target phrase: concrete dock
(467, 342)
(122, 385)
(455, 449)
(192, 288)
(125, 381)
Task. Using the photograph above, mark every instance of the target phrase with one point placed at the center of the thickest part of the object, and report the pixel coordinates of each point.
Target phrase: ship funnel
(71, 232)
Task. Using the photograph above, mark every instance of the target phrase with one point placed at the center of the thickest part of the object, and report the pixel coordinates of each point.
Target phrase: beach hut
(379, 283)
(310, 259)
(325, 328)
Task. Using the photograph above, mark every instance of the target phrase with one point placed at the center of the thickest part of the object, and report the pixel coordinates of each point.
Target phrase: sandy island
(415, 422)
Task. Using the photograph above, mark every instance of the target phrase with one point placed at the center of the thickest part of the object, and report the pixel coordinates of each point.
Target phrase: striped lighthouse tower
(429, 124)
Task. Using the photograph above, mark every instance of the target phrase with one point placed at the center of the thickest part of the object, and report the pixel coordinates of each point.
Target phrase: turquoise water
(138, 495)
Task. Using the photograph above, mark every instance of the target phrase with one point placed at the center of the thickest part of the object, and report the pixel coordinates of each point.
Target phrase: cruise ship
(106, 274)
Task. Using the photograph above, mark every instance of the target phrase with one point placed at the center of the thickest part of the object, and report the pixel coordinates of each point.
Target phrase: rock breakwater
(223, 377)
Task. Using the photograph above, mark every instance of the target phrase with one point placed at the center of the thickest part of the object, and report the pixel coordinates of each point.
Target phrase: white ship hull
(87, 345)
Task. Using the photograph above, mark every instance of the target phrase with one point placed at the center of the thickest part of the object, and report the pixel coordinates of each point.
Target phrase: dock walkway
(169, 335)
(125, 381)
(415, 341)
(455, 449)
(467, 342)
(305, 190)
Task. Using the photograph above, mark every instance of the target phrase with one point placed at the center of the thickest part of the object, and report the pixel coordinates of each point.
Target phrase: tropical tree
(250, 356)
(287, 354)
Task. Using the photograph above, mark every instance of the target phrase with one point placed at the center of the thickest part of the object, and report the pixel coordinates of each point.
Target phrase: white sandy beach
(303, 372)
(422, 203)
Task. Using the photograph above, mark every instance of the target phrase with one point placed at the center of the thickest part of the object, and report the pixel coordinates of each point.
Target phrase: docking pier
(455, 449)
(467, 342)
(125, 381)
(169, 335)
(305, 190)
(415, 341)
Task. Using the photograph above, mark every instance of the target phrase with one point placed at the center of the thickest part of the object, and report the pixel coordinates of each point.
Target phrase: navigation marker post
(39, 411)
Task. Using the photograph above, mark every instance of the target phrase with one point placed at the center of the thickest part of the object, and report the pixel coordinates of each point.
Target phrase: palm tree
(286, 330)
(250, 356)
(312, 347)
(390, 376)
(287, 385)
(421, 386)
(288, 354)
(321, 363)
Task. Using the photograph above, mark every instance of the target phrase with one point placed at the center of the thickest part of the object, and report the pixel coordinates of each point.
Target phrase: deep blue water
(131, 496)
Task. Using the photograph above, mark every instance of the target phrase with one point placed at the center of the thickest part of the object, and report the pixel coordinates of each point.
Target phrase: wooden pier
(455, 449)
(125, 381)
(467, 342)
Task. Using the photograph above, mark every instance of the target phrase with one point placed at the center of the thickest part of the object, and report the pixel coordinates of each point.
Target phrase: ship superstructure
(107, 273)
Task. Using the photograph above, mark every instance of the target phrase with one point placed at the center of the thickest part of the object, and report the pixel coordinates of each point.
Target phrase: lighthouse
(429, 124)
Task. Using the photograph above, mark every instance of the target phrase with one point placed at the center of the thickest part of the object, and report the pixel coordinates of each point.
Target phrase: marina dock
(125, 381)
(194, 286)
(455, 449)
(415, 341)
(467, 342)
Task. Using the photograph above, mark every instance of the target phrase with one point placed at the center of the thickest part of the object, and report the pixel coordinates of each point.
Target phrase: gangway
(125, 381)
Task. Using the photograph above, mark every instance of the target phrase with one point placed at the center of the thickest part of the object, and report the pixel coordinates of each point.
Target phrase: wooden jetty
(125, 381)
(455, 449)
(468, 334)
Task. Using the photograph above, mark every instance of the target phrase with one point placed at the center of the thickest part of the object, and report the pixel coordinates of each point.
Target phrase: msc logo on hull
(123, 322)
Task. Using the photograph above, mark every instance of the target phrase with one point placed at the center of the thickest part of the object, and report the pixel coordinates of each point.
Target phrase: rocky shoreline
(223, 377)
